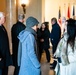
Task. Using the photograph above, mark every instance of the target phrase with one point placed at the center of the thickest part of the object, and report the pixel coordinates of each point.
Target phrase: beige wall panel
(3, 5)
(33, 8)
(52, 8)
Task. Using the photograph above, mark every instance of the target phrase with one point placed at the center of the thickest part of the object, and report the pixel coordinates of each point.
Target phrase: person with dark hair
(66, 50)
(5, 56)
(15, 30)
(44, 40)
(27, 53)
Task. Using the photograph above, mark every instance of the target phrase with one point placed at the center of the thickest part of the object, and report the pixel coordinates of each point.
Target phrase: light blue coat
(27, 59)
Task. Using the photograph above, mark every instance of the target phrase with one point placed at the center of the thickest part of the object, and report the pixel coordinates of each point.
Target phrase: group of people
(24, 47)
(29, 41)
(44, 37)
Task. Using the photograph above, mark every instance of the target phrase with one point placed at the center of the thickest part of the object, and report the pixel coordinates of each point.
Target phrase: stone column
(10, 17)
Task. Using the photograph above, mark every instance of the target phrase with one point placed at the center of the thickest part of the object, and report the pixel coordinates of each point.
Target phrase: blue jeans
(0, 71)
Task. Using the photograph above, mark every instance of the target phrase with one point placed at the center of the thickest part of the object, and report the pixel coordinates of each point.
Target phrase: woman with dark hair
(66, 50)
(44, 40)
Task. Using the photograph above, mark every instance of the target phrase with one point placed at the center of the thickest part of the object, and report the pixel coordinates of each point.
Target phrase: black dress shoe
(53, 65)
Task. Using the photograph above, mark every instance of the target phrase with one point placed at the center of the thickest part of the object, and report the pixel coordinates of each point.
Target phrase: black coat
(45, 35)
(55, 34)
(15, 30)
(5, 56)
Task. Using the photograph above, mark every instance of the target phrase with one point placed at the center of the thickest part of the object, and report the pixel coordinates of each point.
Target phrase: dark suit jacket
(5, 56)
(55, 34)
(16, 29)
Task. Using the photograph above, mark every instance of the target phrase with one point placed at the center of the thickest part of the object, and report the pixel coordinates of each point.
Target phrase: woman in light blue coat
(27, 53)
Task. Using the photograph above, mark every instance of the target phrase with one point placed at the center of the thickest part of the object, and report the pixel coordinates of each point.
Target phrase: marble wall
(10, 18)
(3, 5)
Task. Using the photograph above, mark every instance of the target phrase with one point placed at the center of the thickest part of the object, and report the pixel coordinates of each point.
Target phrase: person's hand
(42, 40)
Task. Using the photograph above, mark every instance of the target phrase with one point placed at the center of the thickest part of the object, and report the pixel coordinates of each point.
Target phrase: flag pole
(73, 11)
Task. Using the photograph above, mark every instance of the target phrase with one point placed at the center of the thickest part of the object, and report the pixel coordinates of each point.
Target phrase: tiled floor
(45, 67)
